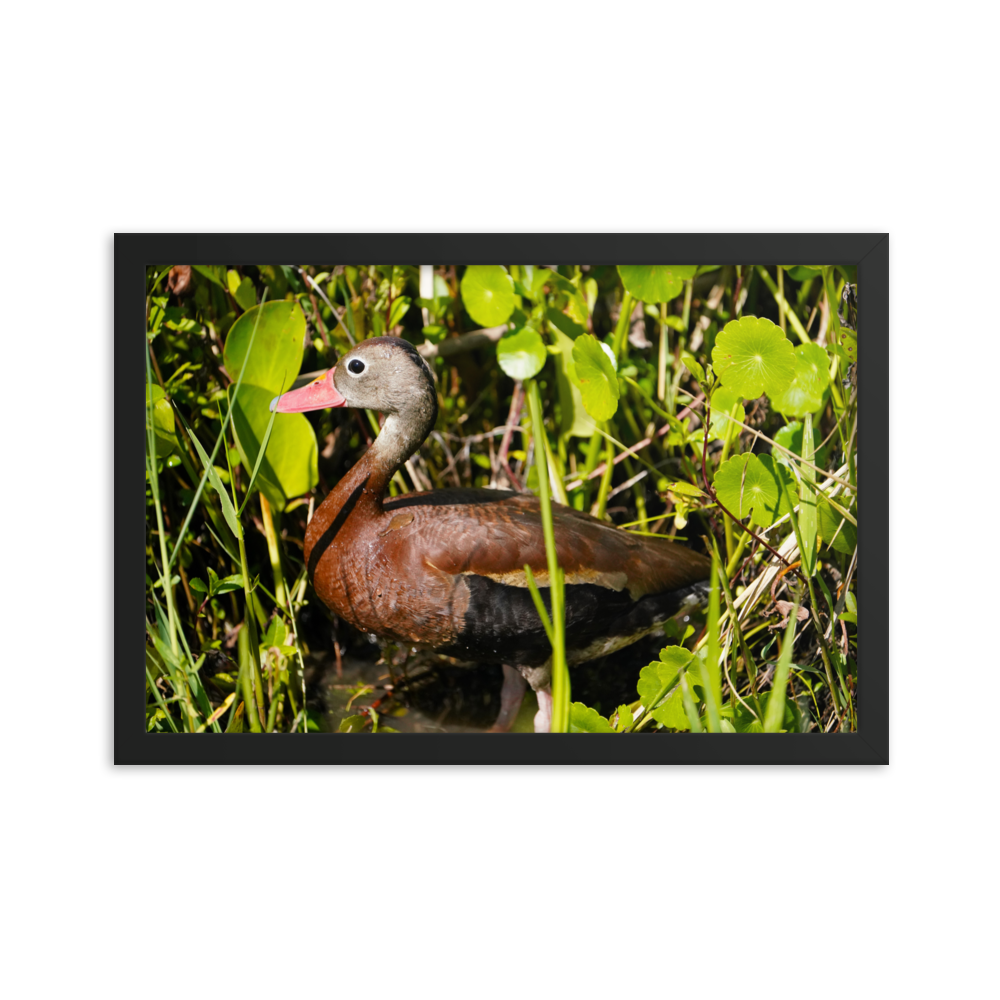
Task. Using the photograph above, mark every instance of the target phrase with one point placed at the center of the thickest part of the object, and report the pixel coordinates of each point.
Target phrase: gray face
(385, 374)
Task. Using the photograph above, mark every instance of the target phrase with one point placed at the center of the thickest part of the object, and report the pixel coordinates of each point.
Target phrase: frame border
(870, 251)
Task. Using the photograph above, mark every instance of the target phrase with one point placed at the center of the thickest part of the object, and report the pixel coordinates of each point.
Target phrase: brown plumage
(445, 569)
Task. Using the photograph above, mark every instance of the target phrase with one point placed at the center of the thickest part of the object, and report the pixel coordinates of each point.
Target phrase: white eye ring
(351, 367)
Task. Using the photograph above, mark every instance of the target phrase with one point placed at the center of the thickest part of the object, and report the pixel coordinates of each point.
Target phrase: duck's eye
(356, 366)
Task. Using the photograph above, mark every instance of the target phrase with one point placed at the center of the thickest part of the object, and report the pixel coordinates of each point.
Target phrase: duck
(445, 569)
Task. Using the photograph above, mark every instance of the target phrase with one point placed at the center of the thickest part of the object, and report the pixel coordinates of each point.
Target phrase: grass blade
(775, 713)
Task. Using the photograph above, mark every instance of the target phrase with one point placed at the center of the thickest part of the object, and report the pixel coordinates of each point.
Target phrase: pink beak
(317, 395)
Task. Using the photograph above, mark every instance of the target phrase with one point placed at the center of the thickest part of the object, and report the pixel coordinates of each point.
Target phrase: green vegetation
(711, 404)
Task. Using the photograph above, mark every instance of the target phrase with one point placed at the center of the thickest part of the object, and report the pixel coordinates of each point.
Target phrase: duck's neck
(396, 442)
(359, 493)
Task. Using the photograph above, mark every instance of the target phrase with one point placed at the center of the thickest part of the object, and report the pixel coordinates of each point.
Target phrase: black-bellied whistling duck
(445, 570)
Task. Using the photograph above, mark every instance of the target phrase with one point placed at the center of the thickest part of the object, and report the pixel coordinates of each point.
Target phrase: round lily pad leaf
(595, 377)
(289, 467)
(656, 282)
(277, 346)
(723, 401)
(583, 719)
(521, 353)
(805, 392)
(747, 485)
(488, 294)
(752, 355)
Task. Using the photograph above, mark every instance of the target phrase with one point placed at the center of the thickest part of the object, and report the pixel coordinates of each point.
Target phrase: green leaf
(748, 483)
(400, 307)
(723, 401)
(196, 583)
(163, 421)
(625, 718)
(226, 584)
(521, 353)
(228, 510)
(576, 304)
(277, 350)
(586, 720)
(752, 355)
(656, 681)
(683, 488)
(833, 525)
(289, 466)
(575, 419)
(693, 366)
(802, 272)
(353, 724)
(214, 272)
(595, 377)
(435, 333)
(790, 437)
(804, 394)
(246, 294)
(236, 722)
(488, 294)
(656, 282)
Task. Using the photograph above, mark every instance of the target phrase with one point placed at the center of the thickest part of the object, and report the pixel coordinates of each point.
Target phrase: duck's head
(385, 374)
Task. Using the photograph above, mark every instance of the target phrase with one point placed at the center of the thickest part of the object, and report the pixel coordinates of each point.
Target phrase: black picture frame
(869, 252)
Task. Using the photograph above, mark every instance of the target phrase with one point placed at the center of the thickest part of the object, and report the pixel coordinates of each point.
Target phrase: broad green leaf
(488, 294)
(671, 712)
(277, 350)
(833, 525)
(289, 466)
(752, 355)
(723, 401)
(656, 678)
(196, 583)
(804, 394)
(790, 437)
(575, 419)
(595, 377)
(228, 583)
(245, 295)
(232, 281)
(656, 282)
(748, 484)
(163, 421)
(586, 720)
(521, 353)
(847, 349)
